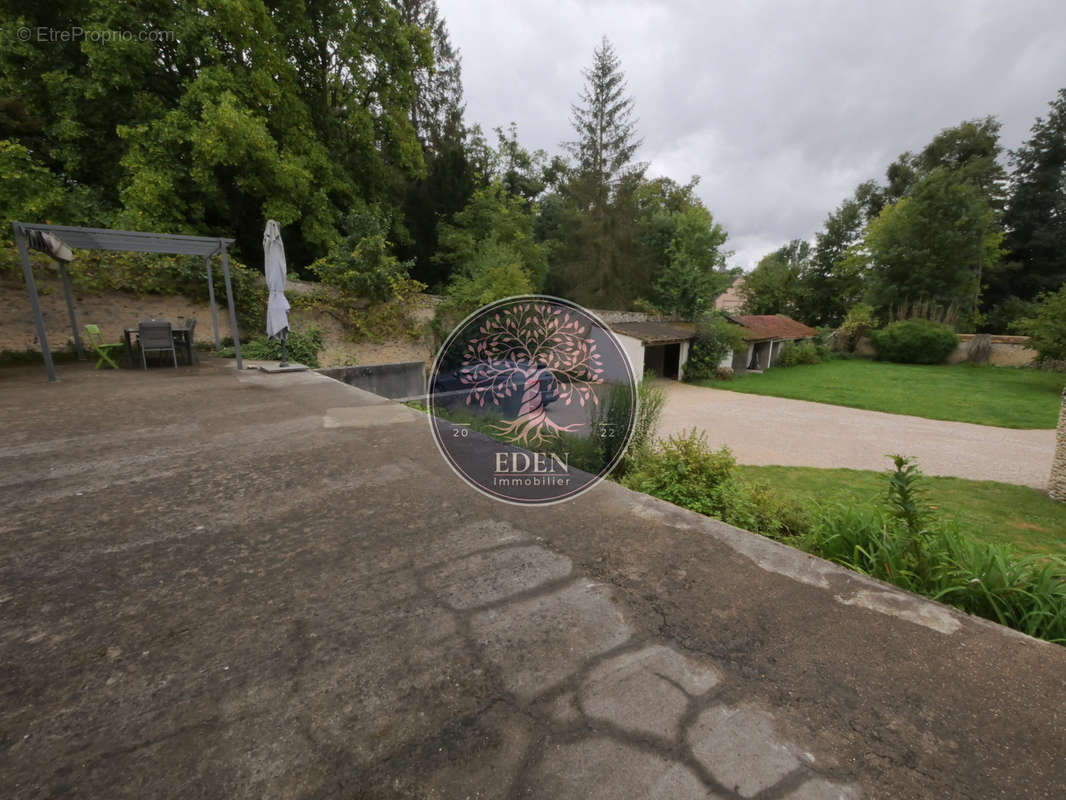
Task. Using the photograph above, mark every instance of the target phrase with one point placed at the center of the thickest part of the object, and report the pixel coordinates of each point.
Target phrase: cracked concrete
(266, 603)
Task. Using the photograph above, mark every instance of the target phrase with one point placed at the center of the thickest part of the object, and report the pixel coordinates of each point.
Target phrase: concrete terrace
(231, 585)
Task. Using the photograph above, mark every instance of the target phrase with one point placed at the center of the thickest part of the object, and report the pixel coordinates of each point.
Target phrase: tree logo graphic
(532, 399)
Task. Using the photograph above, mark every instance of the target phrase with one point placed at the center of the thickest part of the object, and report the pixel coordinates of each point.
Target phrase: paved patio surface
(798, 433)
(227, 585)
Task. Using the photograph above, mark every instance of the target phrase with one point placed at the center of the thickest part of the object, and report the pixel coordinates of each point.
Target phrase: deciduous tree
(931, 245)
(775, 286)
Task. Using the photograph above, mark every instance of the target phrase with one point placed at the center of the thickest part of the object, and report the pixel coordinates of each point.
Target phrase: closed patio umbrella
(274, 267)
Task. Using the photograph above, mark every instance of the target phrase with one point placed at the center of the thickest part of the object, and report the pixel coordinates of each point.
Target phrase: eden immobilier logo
(532, 400)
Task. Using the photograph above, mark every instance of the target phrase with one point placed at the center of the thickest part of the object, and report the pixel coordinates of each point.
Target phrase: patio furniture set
(152, 336)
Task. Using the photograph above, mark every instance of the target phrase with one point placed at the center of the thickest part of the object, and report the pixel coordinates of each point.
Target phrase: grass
(1007, 397)
(1001, 513)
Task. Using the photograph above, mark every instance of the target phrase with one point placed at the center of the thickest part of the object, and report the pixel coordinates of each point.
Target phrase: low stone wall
(395, 381)
(1007, 351)
(1057, 485)
(617, 317)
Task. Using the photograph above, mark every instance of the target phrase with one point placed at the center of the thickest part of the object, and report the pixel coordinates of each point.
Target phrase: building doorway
(663, 359)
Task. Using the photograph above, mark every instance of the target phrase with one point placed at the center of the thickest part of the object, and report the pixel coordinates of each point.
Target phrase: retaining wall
(395, 381)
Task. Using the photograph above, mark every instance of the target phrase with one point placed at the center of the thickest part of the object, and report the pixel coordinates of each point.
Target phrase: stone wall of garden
(1057, 485)
(1007, 351)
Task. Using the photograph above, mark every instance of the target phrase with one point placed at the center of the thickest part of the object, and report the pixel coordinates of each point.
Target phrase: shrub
(495, 272)
(685, 471)
(980, 350)
(824, 342)
(366, 268)
(723, 373)
(387, 319)
(901, 542)
(925, 309)
(302, 347)
(915, 341)
(715, 338)
(362, 263)
(857, 324)
(1047, 329)
(614, 415)
(795, 353)
(650, 399)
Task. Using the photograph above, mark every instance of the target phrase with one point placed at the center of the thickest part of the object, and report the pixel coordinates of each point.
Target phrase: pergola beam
(232, 309)
(70, 310)
(211, 302)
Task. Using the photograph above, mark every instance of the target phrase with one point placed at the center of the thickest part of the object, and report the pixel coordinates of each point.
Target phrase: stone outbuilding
(765, 334)
(663, 347)
(654, 346)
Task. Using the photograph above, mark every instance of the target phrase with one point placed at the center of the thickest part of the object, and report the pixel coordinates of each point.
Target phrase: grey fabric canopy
(29, 234)
(275, 270)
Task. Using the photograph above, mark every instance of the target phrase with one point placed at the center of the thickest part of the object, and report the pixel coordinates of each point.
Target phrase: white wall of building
(634, 349)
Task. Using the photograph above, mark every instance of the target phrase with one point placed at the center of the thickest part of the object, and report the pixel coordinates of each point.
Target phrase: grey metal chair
(156, 336)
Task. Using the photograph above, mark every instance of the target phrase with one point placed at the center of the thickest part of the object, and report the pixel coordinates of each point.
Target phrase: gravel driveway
(773, 430)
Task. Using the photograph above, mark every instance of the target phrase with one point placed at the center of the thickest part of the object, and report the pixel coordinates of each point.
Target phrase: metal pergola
(130, 241)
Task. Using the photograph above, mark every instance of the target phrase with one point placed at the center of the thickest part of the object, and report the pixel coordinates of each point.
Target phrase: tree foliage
(607, 138)
(932, 244)
(833, 280)
(960, 164)
(716, 337)
(248, 111)
(1047, 328)
(1036, 212)
(775, 285)
(496, 216)
(436, 113)
(600, 189)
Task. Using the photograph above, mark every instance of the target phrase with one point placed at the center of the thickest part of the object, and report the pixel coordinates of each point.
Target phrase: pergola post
(232, 310)
(211, 298)
(70, 309)
(35, 303)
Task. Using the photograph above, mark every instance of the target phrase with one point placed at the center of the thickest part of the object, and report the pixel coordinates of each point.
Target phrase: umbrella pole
(283, 362)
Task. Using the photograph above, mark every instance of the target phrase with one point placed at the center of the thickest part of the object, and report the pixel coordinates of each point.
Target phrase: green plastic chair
(103, 350)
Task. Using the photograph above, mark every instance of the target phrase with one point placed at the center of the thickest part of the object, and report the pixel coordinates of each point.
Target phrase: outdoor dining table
(181, 338)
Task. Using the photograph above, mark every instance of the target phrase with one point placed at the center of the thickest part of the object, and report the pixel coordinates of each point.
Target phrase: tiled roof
(656, 332)
(773, 326)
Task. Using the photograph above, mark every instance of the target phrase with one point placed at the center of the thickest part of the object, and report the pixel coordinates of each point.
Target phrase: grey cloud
(781, 108)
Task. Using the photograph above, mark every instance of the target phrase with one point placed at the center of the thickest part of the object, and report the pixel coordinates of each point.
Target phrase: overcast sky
(780, 108)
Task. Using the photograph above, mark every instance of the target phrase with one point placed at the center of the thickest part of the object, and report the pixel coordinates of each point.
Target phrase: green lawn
(1025, 518)
(1004, 396)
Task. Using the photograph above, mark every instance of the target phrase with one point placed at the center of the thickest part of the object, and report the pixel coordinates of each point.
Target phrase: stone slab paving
(279, 591)
(796, 433)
